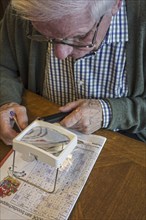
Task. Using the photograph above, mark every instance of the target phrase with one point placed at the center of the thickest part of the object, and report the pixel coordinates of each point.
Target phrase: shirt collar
(118, 30)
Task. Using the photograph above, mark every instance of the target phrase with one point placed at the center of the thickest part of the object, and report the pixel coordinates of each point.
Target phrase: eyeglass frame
(41, 38)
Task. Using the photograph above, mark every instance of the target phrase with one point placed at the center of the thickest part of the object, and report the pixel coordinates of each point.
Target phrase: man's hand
(7, 133)
(85, 117)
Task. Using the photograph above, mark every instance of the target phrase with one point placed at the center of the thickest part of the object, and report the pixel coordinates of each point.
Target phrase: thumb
(22, 119)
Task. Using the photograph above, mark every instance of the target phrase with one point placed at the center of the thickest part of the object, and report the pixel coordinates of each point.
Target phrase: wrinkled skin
(7, 133)
(86, 116)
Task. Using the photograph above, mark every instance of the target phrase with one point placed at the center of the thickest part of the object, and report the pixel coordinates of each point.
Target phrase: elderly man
(88, 56)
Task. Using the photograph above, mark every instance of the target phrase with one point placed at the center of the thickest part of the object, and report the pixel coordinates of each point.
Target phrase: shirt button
(81, 83)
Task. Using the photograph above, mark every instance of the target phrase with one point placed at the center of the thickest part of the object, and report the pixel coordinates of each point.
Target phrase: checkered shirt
(99, 75)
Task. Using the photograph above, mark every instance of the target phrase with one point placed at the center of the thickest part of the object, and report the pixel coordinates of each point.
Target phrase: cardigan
(22, 65)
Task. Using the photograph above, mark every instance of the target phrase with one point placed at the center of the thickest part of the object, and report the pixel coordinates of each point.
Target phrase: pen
(12, 116)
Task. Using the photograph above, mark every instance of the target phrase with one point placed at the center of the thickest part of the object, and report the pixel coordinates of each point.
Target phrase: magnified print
(47, 139)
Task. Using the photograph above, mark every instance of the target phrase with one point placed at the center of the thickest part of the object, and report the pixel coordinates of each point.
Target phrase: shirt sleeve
(107, 113)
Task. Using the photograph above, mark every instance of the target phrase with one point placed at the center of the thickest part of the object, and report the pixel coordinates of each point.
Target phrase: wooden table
(116, 188)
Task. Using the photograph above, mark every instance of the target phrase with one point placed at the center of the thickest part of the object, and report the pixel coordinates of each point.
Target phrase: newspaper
(29, 202)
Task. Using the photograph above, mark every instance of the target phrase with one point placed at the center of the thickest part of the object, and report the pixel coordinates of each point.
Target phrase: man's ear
(116, 7)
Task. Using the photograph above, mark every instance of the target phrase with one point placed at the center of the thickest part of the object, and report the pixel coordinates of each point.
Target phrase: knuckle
(85, 128)
(86, 124)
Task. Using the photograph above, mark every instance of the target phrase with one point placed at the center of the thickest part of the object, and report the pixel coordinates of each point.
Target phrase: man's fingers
(21, 116)
(72, 119)
(87, 117)
(7, 133)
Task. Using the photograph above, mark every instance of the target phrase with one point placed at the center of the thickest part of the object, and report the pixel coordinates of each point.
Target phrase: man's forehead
(82, 17)
(68, 22)
(66, 25)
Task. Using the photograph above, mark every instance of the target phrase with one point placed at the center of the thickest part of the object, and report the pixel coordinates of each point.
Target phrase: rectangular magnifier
(49, 143)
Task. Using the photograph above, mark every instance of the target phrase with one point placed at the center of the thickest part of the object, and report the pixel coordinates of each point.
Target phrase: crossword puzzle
(34, 203)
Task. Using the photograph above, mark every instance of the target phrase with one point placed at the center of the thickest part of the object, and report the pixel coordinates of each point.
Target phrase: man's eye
(79, 38)
(82, 36)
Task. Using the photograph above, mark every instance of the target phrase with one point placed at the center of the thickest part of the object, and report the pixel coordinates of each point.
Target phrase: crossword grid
(36, 204)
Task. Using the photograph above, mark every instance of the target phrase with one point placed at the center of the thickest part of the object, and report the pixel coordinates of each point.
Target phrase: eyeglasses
(78, 42)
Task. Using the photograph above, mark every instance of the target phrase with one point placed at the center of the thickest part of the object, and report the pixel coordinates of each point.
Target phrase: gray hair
(47, 10)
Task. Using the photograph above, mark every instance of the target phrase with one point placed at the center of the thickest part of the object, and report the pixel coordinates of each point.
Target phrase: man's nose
(62, 51)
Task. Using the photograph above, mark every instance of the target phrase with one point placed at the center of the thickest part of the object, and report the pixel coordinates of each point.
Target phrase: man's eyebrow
(83, 34)
(80, 34)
